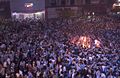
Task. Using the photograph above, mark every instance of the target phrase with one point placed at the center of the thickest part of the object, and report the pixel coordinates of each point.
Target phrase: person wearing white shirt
(102, 75)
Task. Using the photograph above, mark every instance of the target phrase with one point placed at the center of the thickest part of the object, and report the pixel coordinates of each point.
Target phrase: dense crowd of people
(42, 49)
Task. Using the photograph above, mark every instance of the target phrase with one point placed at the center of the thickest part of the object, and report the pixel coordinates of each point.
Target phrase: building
(5, 11)
(40, 9)
(76, 8)
(98, 7)
(22, 9)
(62, 8)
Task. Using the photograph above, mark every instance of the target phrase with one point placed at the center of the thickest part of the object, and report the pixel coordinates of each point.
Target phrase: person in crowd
(42, 49)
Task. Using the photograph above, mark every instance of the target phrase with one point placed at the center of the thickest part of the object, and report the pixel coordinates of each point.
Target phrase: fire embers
(85, 42)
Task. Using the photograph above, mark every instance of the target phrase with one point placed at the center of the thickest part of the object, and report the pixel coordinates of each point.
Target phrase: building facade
(5, 11)
(53, 8)
(62, 8)
(76, 8)
(99, 7)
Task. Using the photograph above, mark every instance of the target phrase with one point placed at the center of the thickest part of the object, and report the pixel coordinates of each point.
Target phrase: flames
(85, 41)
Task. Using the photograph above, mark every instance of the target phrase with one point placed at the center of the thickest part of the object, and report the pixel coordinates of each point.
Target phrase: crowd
(42, 49)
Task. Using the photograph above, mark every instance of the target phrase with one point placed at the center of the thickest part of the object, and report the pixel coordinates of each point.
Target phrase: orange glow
(84, 41)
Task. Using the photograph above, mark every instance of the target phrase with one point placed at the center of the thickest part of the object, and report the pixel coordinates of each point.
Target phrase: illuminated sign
(28, 5)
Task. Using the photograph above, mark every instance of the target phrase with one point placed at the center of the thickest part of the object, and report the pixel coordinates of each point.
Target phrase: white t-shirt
(102, 75)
